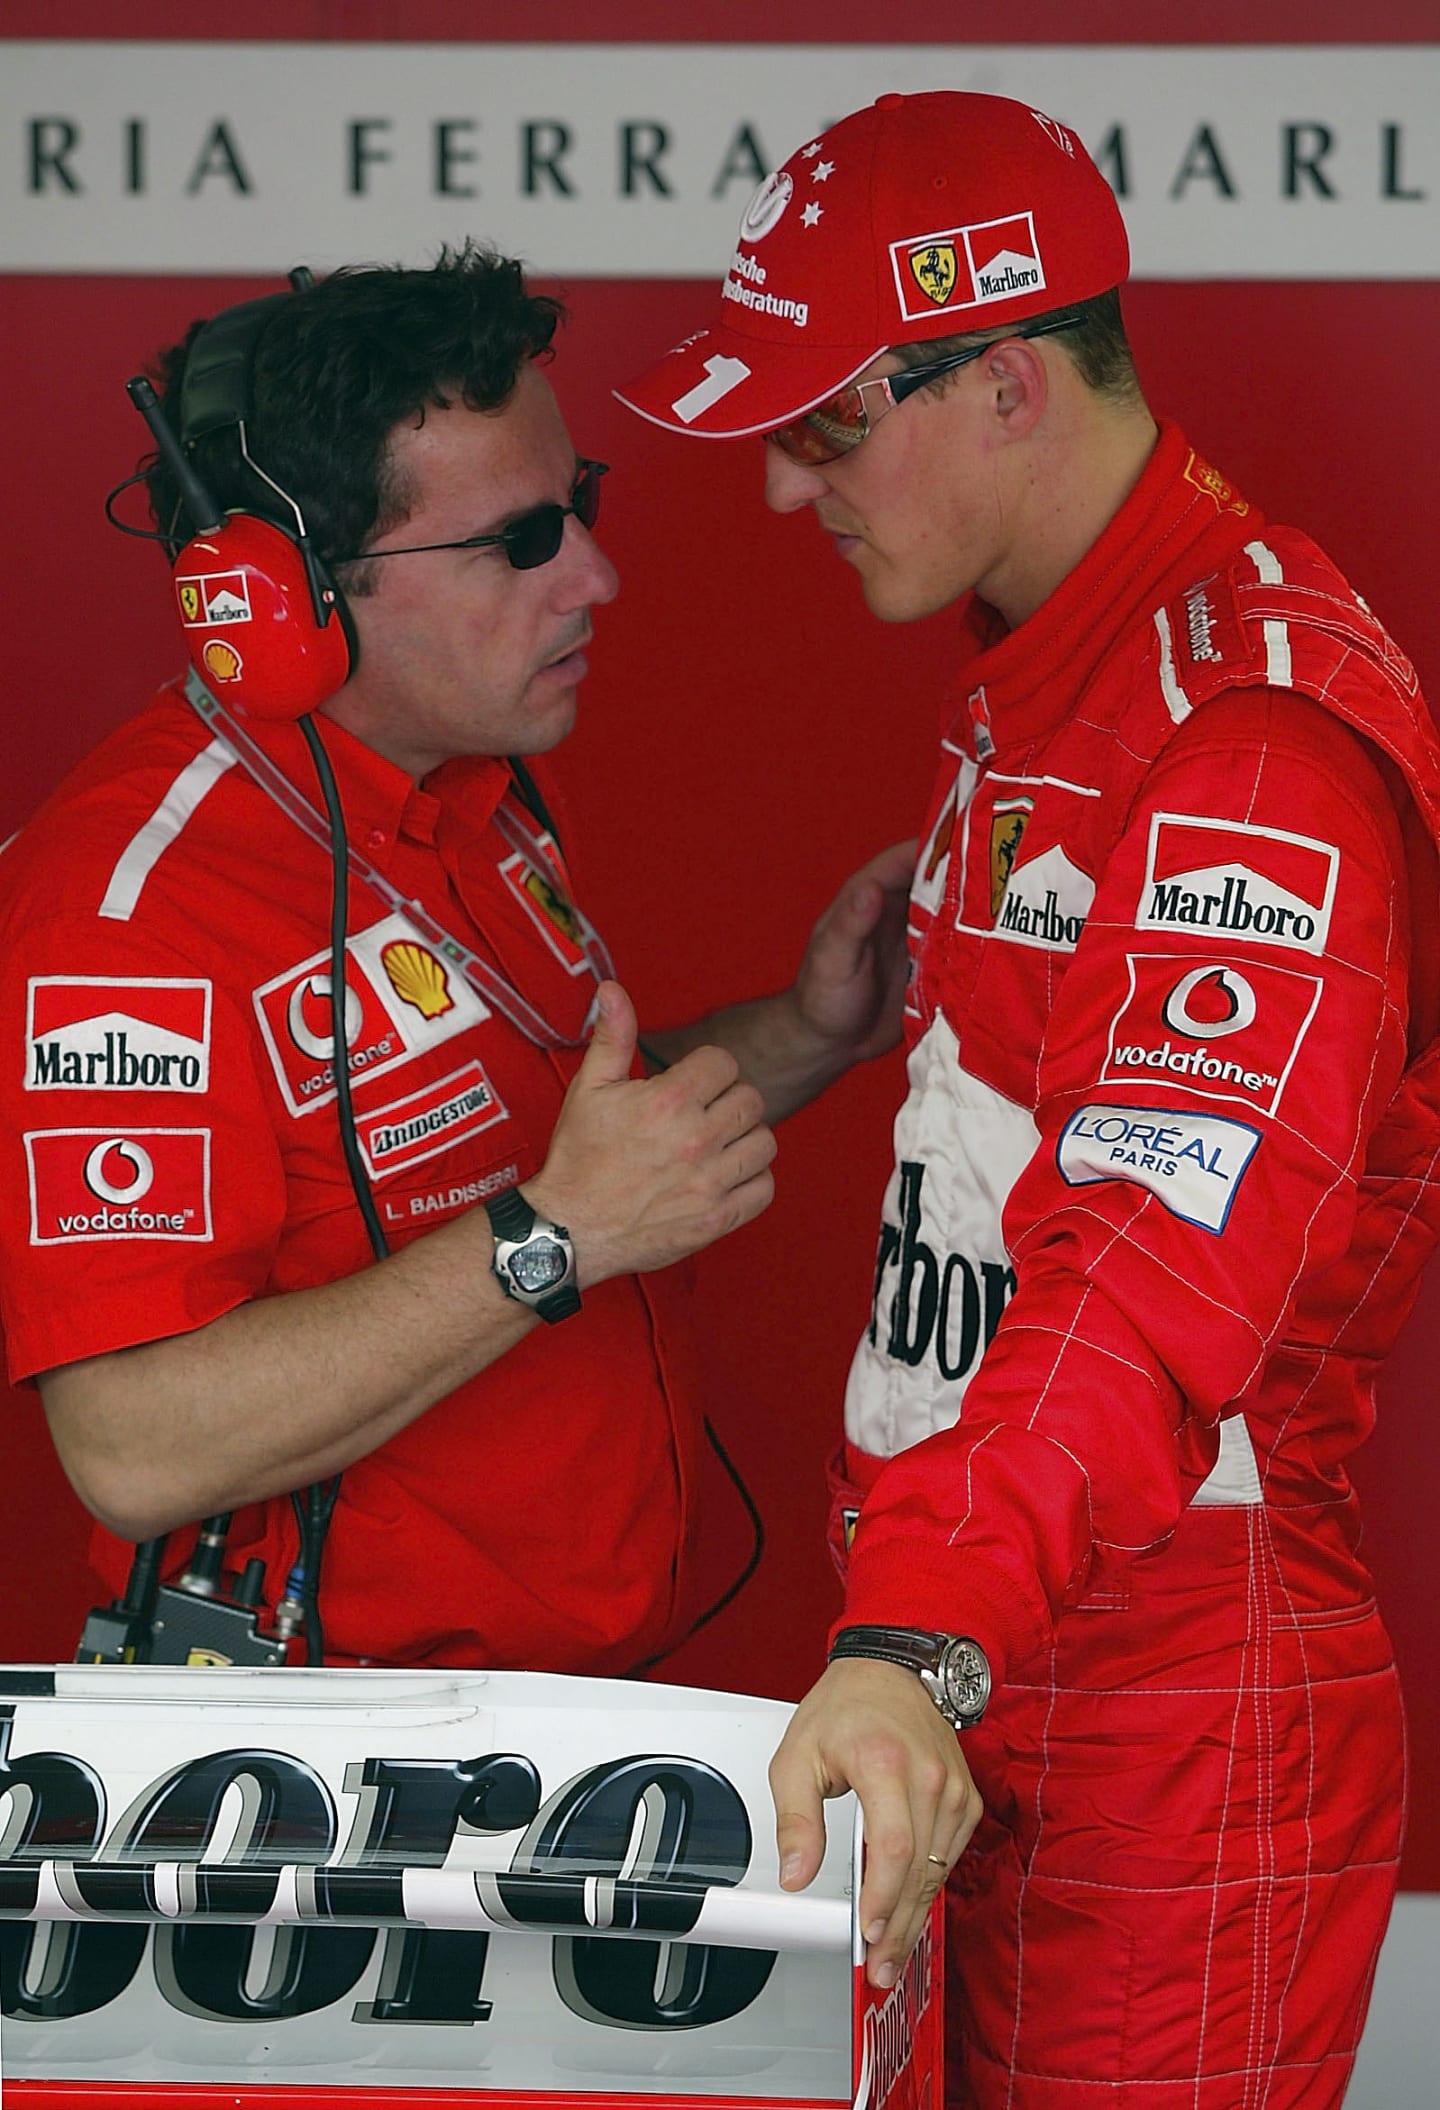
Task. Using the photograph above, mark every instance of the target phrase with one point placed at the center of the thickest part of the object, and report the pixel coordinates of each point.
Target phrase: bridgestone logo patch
(429, 1121)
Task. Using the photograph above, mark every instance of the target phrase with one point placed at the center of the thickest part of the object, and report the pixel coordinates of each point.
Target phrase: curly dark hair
(1098, 347)
(336, 367)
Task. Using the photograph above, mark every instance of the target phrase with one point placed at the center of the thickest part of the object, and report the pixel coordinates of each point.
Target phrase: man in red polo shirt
(1165, 1175)
(464, 1308)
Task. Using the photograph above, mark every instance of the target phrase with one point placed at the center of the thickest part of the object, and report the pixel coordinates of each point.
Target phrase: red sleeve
(141, 1188)
(1163, 1228)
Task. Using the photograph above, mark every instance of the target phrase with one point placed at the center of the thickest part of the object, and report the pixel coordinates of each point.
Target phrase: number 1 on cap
(722, 374)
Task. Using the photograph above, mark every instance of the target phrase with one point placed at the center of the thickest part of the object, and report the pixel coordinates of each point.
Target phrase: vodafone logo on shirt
(401, 1000)
(132, 1035)
(1254, 886)
(1221, 1031)
(89, 1184)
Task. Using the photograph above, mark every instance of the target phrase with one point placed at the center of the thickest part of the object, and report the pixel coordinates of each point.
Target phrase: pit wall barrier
(311, 1890)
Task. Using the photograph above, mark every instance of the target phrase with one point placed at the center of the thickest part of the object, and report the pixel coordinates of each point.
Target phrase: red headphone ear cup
(243, 592)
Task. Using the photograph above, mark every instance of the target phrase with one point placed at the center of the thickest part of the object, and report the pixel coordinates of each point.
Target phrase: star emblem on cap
(807, 153)
(822, 172)
(812, 215)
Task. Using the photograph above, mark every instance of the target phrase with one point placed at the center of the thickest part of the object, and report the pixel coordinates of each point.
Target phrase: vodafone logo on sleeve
(1252, 886)
(1220, 1031)
(126, 1035)
(90, 1184)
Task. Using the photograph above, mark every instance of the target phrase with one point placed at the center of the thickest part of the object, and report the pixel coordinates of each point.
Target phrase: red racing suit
(172, 1150)
(1165, 1178)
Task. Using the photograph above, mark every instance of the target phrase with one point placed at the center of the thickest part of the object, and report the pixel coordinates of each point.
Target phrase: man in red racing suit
(1165, 1171)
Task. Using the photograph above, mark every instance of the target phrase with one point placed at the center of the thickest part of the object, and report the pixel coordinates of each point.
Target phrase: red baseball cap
(923, 216)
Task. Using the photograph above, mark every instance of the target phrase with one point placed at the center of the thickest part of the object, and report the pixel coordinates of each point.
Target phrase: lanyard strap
(486, 980)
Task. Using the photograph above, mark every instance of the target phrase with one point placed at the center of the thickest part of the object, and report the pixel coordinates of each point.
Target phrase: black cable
(532, 798)
(315, 1506)
(339, 1047)
(144, 1583)
(729, 1595)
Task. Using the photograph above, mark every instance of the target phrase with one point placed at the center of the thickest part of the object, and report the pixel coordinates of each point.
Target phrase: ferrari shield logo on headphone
(934, 270)
(217, 597)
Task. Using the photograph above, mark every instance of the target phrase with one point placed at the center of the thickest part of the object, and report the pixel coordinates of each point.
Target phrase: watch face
(539, 1265)
(966, 1677)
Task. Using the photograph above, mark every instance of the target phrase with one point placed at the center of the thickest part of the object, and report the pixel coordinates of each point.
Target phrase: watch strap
(915, 1647)
(511, 1216)
(931, 1656)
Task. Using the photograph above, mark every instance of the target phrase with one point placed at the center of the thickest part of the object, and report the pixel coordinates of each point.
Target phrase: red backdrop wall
(747, 737)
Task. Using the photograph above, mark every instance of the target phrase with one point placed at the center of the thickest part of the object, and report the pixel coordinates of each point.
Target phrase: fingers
(903, 1877)
(611, 1052)
(798, 1793)
(864, 898)
(871, 1727)
(894, 868)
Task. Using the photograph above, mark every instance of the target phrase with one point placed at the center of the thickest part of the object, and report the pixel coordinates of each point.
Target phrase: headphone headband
(218, 388)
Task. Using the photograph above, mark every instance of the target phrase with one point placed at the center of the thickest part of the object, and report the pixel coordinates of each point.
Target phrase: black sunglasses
(529, 541)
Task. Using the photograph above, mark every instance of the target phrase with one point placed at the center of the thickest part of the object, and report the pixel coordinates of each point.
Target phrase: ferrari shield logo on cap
(968, 267)
(935, 271)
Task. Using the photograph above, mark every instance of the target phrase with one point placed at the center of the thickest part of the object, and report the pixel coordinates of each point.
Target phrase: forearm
(282, 1391)
(788, 1062)
(843, 1007)
(286, 1390)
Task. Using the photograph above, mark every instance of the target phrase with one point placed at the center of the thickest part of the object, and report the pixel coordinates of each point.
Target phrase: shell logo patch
(935, 271)
(417, 977)
(222, 662)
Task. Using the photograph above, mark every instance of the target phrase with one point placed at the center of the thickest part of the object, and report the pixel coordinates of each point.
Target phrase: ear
(1019, 383)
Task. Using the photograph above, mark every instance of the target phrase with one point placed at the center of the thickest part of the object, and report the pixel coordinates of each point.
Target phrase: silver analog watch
(953, 1669)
